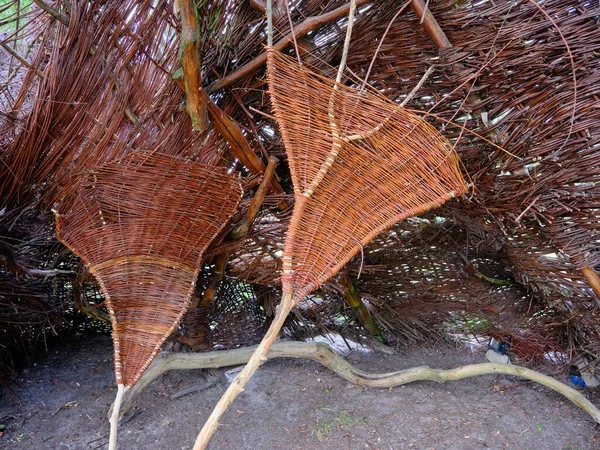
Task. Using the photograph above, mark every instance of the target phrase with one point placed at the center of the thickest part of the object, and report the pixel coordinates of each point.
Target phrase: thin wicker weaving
(141, 224)
(359, 164)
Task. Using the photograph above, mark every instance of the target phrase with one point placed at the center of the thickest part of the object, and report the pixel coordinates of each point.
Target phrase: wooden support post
(440, 39)
(215, 281)
(430, 24)
(220, 260)
(189, 54)
(305, 44)
(308, 25)
(232, 133)
(593, 280)
(114, 417)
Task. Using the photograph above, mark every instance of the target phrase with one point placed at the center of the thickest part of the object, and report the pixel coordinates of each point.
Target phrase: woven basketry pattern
(359, 163)
(141, 225)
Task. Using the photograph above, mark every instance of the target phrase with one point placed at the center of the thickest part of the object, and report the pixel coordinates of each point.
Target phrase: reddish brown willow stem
(430, 24)
(305, 27)
(258, 5)
(232, 133)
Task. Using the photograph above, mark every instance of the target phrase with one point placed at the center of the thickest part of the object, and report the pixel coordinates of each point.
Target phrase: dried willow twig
(22, 60)
(366, 79)
(53, 12)
(440, 39)
(379, 126)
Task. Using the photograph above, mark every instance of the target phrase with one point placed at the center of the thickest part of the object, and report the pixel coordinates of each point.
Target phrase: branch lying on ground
(323, 354)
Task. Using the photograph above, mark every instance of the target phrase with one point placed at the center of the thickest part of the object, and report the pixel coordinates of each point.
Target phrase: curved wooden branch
(323, 354)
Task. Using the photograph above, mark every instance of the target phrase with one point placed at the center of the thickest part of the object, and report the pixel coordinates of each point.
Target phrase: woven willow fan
(359, 163)
(141, 225)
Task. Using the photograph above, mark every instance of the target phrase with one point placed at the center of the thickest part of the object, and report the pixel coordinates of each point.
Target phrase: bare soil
(62, 401)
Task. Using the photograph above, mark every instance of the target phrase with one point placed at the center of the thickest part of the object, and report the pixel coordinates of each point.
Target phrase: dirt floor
(62, 400)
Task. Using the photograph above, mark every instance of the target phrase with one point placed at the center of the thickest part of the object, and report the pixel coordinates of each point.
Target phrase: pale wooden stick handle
(237, 386)
(114, 418)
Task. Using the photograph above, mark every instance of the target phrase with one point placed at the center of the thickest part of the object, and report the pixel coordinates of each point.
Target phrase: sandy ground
(62, 400)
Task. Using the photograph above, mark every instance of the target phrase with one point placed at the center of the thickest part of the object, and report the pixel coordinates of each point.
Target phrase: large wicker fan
(141, 224)
(359, 163)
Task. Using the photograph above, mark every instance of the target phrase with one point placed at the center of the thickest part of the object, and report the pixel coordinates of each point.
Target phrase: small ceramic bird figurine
(576, 378)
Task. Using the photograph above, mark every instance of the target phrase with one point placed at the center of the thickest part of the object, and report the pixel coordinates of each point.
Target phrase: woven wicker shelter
(85, 86)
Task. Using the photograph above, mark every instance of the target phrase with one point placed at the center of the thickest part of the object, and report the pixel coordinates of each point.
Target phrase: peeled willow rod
(237, 386)
(114, 418)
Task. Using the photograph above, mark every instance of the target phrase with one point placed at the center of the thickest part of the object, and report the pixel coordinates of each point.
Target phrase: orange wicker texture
(141, 225)
(359, 163)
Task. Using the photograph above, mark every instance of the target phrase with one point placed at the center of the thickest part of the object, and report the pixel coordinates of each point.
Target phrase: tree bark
(189, 54)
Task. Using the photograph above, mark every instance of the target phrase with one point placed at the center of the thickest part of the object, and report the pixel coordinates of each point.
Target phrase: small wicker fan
(141, 225)
(359, 163)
